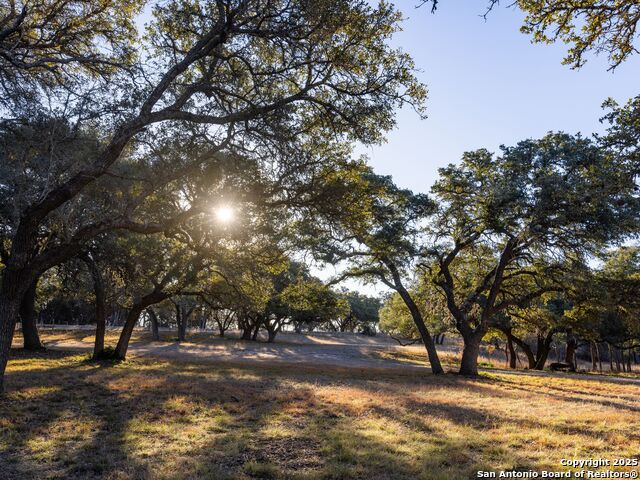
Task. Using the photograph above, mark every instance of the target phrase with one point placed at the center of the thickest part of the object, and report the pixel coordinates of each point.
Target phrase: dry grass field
(66, 418)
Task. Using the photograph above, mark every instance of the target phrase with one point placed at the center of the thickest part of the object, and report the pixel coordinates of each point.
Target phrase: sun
(224, 214)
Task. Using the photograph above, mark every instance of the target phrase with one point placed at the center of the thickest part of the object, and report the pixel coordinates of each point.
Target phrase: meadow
(66, 417)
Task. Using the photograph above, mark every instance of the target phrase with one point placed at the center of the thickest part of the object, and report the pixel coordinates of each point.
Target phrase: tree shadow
(156, 419)
(570, 395)
(89, 420)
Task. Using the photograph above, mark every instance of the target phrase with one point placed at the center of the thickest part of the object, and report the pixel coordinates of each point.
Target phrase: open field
(317, 348)
(64, 417)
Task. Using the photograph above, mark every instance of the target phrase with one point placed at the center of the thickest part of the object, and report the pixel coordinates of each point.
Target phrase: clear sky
(489, 85)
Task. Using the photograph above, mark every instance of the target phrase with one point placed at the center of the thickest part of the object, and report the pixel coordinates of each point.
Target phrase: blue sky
(488, 85)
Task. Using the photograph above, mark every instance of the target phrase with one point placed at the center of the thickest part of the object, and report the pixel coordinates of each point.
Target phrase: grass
(65, 417)
(450, 359)
(111, 336)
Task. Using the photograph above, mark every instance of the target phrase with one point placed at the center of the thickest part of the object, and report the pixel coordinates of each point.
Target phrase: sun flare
(224, 214)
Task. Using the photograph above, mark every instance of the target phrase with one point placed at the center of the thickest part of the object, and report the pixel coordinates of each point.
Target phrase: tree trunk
(594, 365)
(541, 359)
(427, 339)
(271, 335)
(13, 285)
(256, 331)
(599, 357)
(155, 330)
(181, 322)
(470, 353)
(182, 331)
(518, 361)
(101, 311)
(221, 328)
(544, 347)
(8, 317)
(512, 352)
(506, 355)
(133, 316)
(123, 343)
(570, 353)
(28, 319)
(246, 331)
(610, 358)
(531, 358)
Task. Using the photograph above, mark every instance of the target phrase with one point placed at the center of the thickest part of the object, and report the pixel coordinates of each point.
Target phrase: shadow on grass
(67, 418)
(569, 395)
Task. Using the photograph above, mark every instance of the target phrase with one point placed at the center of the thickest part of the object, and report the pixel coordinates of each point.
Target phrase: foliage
(610, 306)
(396, 319)
(361, 312)
(49, 45)
(523, 221)
(604, 27)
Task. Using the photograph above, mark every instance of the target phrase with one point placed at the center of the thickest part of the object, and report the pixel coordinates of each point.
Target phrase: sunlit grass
(64, 417)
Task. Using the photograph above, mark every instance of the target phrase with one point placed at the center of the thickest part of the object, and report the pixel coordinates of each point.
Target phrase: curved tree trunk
(123, 342)
(28, 319)
(223, 324)
(427, 339)
(221, 328)
(524, 346)
(133, 316)
(541, 357)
